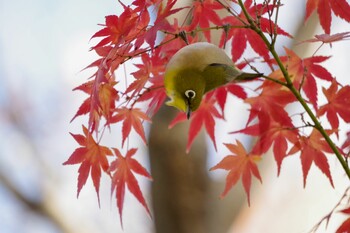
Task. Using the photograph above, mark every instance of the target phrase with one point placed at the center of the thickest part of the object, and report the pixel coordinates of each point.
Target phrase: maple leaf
(204, 115)
(124, 169)
(141, 76)
(152, 66)
(273, 100)
(340, 8)
(156, 93)
(221, 93)
(175, 45)
(272, 132)
(92, 157)
(242, 36)
(329, 39)
(85, 106)
(240, 165)
(346, 144)
(107, 98)
(207, 8)
(161, 22)
(116, 28)
(143, 5)
(131, 118)
(102, 98)
(92, 104)
(312, 150)
(338, 104)
(303, 73)
(344, 227)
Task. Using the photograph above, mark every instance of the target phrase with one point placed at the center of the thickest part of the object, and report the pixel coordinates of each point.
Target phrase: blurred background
(43, 46)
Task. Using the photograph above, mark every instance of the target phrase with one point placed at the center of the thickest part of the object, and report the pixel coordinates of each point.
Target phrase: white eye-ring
(190, 94)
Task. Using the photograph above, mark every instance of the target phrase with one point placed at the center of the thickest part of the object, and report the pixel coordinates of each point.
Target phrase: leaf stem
(295, 92)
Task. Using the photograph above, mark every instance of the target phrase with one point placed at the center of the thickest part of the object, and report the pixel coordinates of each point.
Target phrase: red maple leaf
(221, 94)
(174, 45)
(272, 132)
(303, 73)
(155, 93)
(241, 36)
(92, 157)
(346, 144)
(161, 22)
(240, 165)
(85, 106)
(117, 28)
(345, 226)
(204, 12)
(101, 101)
(338, 104)
(272, 100)
(151, 66)
(142, 5)
(340, 8)
(132, 118)
(141, 76)
(312, 149)
(346, 211)
(124, 169)
(204, 115)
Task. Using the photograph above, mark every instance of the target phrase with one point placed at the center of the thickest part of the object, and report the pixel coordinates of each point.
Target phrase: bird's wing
(229, 72)
(218, 74)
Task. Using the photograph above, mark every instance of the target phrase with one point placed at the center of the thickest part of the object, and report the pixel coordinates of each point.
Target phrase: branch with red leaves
(131, 101)
(289, 83)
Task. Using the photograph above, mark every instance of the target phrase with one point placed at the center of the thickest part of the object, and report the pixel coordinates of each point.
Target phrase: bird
(197, 69)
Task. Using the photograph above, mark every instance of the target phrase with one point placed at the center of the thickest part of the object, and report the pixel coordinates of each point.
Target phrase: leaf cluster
(133, 100)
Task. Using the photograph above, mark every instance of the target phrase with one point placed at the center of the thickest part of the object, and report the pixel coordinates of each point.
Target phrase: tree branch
(295, 92)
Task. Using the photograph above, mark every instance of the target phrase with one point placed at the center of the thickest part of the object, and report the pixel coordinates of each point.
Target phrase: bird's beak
(188, 112)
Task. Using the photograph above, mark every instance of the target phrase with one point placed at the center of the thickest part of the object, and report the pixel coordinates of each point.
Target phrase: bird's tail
(247, 76)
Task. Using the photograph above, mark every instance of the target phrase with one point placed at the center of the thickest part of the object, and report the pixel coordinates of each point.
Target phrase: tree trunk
(180, 180)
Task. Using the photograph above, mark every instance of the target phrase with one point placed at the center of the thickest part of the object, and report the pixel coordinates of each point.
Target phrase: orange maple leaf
(92, 157)
(132, 118)
(239, 164)
(272, 132)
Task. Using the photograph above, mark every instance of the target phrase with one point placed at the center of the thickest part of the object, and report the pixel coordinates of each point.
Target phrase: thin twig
(274, 37)
(235, 14)
(329, 215)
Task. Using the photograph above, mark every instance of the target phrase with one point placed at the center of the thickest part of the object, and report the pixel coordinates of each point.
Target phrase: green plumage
(218, 74)
(197, 69)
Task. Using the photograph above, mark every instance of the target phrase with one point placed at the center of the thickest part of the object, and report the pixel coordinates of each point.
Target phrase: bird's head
(185, 90)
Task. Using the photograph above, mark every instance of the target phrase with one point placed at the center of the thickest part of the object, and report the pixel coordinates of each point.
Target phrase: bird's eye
(190, 94)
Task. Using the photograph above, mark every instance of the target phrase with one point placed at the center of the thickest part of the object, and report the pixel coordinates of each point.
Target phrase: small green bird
(196, 69)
